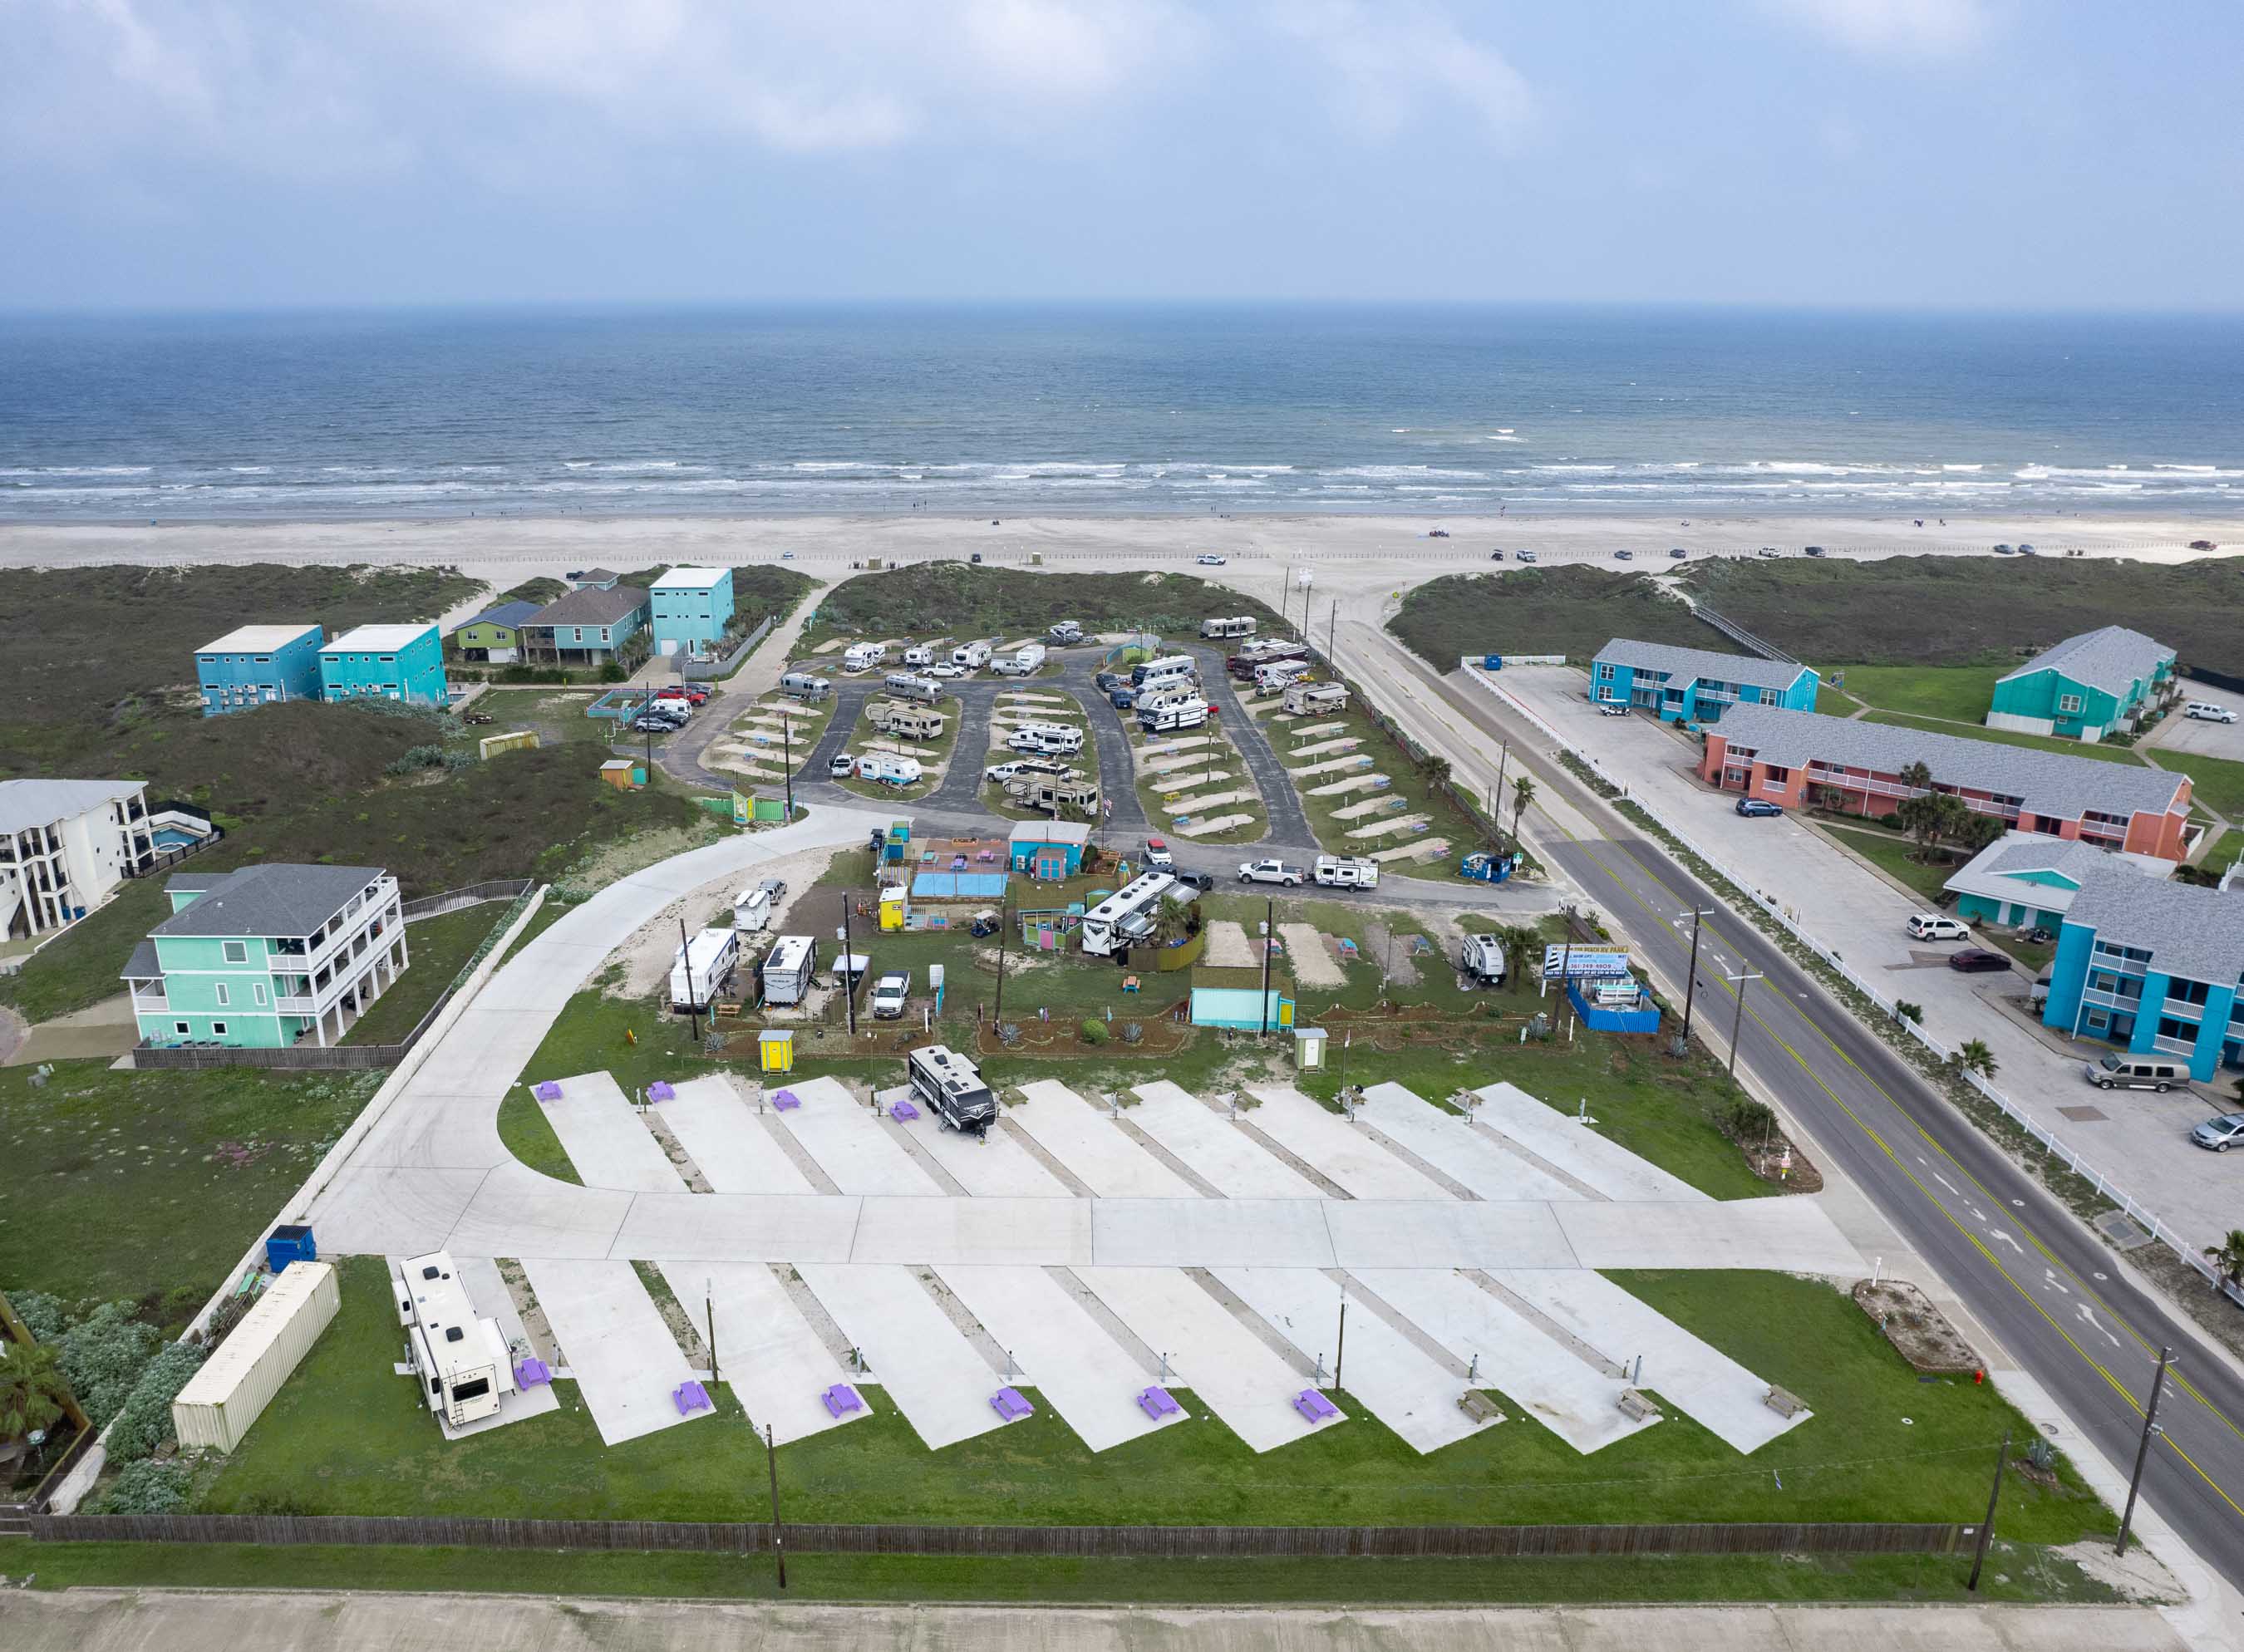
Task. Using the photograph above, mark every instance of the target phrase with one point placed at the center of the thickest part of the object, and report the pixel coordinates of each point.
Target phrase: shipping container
(237, 1381)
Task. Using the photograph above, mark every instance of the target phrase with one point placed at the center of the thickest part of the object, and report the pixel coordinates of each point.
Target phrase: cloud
(1387, 63)
(1893, 28)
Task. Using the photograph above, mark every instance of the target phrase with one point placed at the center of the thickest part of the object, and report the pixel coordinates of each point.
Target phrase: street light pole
(1738, 1018)
(685, 955)
(848, 965)
(2143, 1448)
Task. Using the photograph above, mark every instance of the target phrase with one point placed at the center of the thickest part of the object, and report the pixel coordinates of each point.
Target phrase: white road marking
(2007, 1239)
(1949, 1185)
(2050, 1281)
(2089, 1314)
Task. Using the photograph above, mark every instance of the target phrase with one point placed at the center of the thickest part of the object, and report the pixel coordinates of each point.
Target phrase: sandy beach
(1363, 560)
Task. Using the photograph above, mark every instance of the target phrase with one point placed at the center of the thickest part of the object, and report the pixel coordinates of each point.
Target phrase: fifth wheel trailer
(462, 1362)
(1105, 926)
(699, 969)
(237, 1382)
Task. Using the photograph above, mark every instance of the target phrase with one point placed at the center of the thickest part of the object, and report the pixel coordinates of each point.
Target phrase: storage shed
(235, 1384)
(1241, 1009)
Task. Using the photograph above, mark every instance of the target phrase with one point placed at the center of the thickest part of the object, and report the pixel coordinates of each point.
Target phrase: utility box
(289, 1243)
(775, 1052)
(1309, 1049)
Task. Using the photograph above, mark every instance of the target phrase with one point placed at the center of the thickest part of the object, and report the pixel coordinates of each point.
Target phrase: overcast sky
(256, 153)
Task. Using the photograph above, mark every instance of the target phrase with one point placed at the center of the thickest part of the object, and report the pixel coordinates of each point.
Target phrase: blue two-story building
(691, 608)
(1694, 684)
(259, 666)
(2153, 967)
(386, 661)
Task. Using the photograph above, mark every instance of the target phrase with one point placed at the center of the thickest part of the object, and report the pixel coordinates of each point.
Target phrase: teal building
(693, 606)
(386, 661)
(2099, 683)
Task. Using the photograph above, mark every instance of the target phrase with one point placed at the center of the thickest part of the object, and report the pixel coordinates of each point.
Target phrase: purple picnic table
(529, 1372)
(689, 1397)
(1157, 1403)
(1012, 1405)
(841, 1400)
(786, 1099)
(1314, 1406)
(661, 1091)
(549, 1091)
(904, 1109)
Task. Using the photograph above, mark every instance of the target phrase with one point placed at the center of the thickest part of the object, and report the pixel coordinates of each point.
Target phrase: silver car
(2220, 1133)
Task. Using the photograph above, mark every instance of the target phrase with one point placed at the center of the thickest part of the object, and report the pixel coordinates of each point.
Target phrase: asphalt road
(2026, 1265)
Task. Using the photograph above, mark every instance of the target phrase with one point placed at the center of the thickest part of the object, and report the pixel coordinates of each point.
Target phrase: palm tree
(32, 1394)
(1172, 923)
(1976, 1056)
(1522, 793)
(1520, 942)
(2227, 1256)
(1434, 767)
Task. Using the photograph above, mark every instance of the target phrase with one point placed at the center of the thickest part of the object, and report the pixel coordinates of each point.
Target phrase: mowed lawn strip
(436, 949)
(1960, 693)
(346, 1436)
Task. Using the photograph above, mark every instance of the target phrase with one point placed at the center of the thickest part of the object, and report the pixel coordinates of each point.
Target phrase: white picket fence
(2137, 1212)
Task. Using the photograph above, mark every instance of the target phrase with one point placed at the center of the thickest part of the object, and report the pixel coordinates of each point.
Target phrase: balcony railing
(2167, 1046)
(2104, 999)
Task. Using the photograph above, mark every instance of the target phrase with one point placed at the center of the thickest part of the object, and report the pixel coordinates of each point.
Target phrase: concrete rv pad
(1093, 1147)
(1336, 1148)
(605, 1140)
(1237, 1165)
(933, 1375)
(847, 1141)
(616, 1344)
(1477, 1158)
(775, 1363)
(733, 1148)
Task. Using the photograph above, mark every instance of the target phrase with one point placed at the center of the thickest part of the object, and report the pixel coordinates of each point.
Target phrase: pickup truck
(888, 995)
(1271, 871)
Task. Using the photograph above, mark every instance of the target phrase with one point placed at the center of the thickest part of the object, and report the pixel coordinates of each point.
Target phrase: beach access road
(2064, 1307)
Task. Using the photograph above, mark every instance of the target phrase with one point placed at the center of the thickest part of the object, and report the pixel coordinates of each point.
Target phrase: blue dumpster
(289, 1243)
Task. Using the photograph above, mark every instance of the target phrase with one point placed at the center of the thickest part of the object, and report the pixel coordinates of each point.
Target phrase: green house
(494, 636)
(268, 956)
(2088, 686)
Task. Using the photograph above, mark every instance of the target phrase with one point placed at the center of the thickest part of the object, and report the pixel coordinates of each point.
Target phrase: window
(2068, 701)
(221, 989)
(181, 1027)
(2186, 992)
(218, 1029)
(2098, 1021)
(237, 952)
(257, 992)
(390, 660)
(580, 633)
(1605, 673)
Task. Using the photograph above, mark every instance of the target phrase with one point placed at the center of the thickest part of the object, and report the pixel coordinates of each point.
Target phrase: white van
(970, 656)
(2120, 1071)
(805, 685)
(862, 657)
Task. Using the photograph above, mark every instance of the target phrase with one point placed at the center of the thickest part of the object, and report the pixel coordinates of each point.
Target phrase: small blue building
(1694, 684)
(386, 661)
(2153, 968)
(691, 608)
(1049, 849)
(259, 666)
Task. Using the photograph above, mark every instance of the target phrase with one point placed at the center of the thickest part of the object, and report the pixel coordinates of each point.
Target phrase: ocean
(1425, 411)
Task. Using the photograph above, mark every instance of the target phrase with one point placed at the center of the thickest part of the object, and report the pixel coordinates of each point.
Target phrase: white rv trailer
(1241, 626)
(1102, 931)
(699, 969)
(461, 1362)
(787, 970)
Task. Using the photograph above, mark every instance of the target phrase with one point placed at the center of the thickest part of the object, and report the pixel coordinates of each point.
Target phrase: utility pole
(1269, 933)
(692, 1000)
(1987, 1526)
(787, 739)
(1496, 802)
(1738, 1018)
(1691, 984)
(2143, 1448)
(1004, 933)
(1332, 633)
(709, 1309)
(779, 1537)
(1340, 1355)
(848, 965)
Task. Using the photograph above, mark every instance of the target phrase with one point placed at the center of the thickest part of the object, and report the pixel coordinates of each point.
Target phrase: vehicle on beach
(1679, 553)
(1624, 555)
(1271, 871)
(1813, 550)
(2002, 551)
(1758, 808)
(2203, 545)
(1527, 556)
(2206, 711)
(1769, 551)
(1496, 556)
(1437, 533)
(1209, 559)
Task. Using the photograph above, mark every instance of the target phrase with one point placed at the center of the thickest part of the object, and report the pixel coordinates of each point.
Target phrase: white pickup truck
(1273, 870)
(1347, 872)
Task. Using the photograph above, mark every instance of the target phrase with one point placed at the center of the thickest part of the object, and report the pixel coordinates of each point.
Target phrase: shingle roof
(142, 965)
(270, 901)
(2045, 782)
(1688, 663)
(1993, 872)
(595, 577)
(2112, 658)
(589, 607)
(2188, 931)
(505, 614)
(24, 804)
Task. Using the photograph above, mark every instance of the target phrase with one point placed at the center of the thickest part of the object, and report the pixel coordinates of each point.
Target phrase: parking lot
(2138, 1139)
(2202, 736)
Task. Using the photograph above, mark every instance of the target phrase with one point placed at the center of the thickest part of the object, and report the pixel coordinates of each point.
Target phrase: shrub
(43, 1315)
(1890, 820)
(145, 1424)
(104, 1355)
(417, 757)
(146, 1488)
(1749, 1120)
(1132, 1032)
(1094, 1031)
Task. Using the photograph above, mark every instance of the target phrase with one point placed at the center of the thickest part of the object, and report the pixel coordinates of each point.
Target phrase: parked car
(1527, 556)
(2221, 1132)
(944, 669)
(1976, 960)
(1496, 556)
(1209, 559)
(1157, 856)
(1933, 926)
(2117, 1071)
(1679, 553)
(2002, 551)
(889, 993)
(1273, 870)
(2203, 545)
(1612, 708)
(2206, 711)
(1812, 550)
(477, 719)
(841, 766)
(787, 555)
(1624, 556)
(1106, 681)
(2025, 549)
(649, 723)
(1758, 808)
(1200, 882)
(772, 889)
(1769, 551)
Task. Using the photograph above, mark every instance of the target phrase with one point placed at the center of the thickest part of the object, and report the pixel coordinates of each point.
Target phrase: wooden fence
(1151, 1542)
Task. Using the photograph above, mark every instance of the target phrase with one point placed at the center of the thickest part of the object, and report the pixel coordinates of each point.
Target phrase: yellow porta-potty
(776, 1051)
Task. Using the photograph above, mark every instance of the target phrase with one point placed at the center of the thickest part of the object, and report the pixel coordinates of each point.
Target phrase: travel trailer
(700, 970)
(1241, 626)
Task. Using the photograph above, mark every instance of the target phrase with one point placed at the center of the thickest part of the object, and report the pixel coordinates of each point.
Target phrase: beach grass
(1573, 610)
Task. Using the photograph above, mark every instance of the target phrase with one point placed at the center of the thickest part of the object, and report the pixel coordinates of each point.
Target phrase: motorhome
(920, 691)
(1482, 961)
(702, 969)
(890, 769)
(1154, 672)
(1308, 699)
(1171, 715)
(462, 1363)
(1261, 653)
(786, 969)
(1066, 631)
(862, 657)
(1241, 626)
(952, 1087)
(1346, 872)
(970, 656)
(1047, 738)
(906, 722)
(1102, 932)
(805, 685)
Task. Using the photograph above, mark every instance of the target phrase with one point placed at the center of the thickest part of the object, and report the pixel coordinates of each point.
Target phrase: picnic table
(903, 1110)
(1010, 1404)
(785, 1100)
(1314, 1406)
(841, 1400)
(549, 1091)
(661, 1091)
(1158, 1403)
(689, 1397)
(531, 1372)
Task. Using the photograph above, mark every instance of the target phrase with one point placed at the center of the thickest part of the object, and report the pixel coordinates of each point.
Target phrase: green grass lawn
(1832, 703)
(345, 1435)
(1960, 693)
(557, 715)
(2094, 752)
(2017, 1573)
(2216, 782)
(1895, 857)
(133, 1184)
(439, 949)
